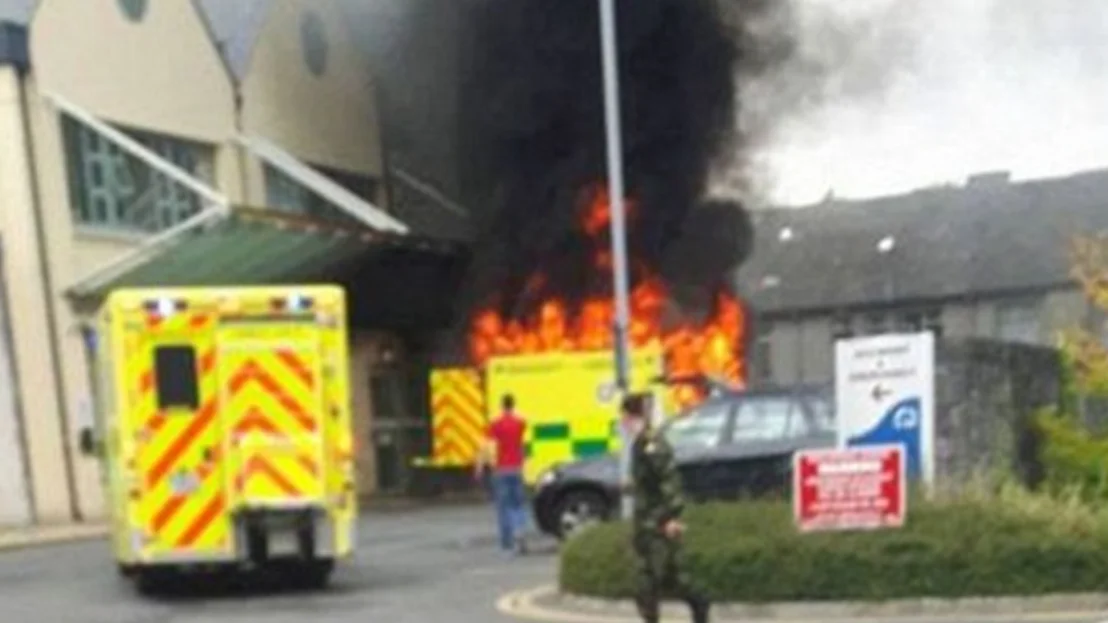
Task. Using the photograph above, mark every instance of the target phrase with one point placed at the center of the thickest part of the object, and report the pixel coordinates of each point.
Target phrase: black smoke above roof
(534, 118)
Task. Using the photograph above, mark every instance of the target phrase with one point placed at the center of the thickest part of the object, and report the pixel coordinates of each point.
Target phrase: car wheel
(578, 509)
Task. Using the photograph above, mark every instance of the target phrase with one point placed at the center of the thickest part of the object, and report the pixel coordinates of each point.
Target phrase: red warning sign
(860, 488)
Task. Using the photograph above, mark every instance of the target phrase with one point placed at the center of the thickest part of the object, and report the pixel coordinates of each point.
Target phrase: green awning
(241, 247)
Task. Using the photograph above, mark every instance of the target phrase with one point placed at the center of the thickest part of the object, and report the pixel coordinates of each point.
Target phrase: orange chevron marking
(449, 450)
(294, 363)
(445, 429)
(257, 464)
(308, 464)
(256, 420)
(250, 371)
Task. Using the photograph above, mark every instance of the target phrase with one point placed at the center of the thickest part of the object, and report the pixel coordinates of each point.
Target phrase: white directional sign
(885, 394)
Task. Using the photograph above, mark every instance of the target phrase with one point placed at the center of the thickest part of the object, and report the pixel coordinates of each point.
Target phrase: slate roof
(236, 25)
(950, 242)
(17, 11)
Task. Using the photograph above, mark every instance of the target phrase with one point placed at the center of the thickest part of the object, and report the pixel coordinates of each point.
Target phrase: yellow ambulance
(223, 425)
(568, 399)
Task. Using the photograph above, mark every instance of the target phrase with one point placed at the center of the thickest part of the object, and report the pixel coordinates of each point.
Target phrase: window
(133, 9)
(875, 323)
(841, 327)
(909, 322)
(364, 186)
(387, 394)
(928, 319)
(111, 188)
(933, 321)
(285, 193)
(701, 428)
(175, 377)
(903, 321)
(822, 414)
(1018, 321)
(767, 419)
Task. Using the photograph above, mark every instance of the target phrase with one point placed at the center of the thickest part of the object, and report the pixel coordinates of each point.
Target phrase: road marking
(521, 605)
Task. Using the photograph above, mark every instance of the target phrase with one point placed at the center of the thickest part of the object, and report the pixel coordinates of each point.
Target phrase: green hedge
(1073, 457)
(1012, 543)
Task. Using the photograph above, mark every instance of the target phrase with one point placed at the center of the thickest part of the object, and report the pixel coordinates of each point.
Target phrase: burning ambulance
(558, 364)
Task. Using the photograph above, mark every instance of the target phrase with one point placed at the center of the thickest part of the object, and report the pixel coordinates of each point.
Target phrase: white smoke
(920, 92)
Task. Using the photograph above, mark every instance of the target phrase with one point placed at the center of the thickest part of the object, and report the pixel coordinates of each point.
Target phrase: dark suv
(735, 444)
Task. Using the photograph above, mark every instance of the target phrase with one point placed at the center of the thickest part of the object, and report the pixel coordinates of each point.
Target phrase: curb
(546, 604)
(53, 535)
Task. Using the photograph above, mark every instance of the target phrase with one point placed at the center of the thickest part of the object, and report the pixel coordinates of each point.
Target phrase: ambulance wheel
(125, 571)
(316, 574)
(151, 581)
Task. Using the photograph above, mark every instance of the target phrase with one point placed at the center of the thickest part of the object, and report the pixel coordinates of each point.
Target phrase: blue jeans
(511, 507)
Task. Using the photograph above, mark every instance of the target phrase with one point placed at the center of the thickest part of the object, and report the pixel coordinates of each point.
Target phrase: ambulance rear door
(272, 401)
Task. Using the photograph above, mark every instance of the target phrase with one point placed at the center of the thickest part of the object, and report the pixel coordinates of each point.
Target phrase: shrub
(1006, 543)
(1073, 457)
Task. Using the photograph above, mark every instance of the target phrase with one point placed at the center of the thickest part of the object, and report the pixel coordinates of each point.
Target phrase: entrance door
(399, 434)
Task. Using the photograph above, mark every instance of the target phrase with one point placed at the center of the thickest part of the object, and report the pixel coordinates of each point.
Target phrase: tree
(1084, 350)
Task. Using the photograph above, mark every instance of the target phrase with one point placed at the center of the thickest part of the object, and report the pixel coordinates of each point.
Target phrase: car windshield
(823, 415)
(700, 428)
(767, 419)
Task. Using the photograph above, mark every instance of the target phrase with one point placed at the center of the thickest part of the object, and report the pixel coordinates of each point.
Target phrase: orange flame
(713, 347)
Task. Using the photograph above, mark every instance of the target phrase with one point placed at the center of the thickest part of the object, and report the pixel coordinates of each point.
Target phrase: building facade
(179, 142)
(990, 259)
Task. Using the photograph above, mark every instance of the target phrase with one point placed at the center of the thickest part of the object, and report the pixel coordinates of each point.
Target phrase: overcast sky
(930, 91)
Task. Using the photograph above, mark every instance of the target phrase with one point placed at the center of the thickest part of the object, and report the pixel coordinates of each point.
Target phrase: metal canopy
(322, 186)
(249, 246)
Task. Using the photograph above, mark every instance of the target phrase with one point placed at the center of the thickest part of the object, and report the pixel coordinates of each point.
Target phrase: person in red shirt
(506, 434)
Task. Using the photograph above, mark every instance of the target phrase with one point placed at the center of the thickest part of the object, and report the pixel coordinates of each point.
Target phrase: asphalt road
(412, 566)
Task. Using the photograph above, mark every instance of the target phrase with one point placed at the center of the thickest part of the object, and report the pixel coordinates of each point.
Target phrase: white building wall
(15, 500)
(24, 274)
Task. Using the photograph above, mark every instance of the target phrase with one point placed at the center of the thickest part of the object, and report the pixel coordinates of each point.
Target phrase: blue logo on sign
(899, 425)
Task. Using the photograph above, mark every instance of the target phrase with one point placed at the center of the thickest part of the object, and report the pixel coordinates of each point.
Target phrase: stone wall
(986, 395)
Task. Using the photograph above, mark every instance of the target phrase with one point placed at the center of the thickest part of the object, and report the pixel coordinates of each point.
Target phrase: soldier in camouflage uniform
(657, 529)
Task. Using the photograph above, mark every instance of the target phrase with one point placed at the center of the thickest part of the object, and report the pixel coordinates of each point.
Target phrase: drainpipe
(51, 310)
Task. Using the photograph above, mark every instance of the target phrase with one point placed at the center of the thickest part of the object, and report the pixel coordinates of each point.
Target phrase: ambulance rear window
(175, 377)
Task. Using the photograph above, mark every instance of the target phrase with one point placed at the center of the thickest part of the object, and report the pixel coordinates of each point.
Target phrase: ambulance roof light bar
(294, 303)
(164, 306)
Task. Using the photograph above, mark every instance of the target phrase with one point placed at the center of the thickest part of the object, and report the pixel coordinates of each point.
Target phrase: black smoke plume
(535, 120)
